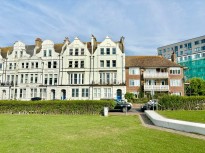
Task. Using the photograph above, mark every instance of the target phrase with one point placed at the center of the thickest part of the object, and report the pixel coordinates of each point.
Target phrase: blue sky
(145, 24)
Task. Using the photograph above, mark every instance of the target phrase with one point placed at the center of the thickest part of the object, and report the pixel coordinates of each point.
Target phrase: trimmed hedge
(182, 103)
(55, 106)
(140, 100)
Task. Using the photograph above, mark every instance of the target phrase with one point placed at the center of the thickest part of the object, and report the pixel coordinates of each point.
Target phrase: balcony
(7, 84)
(155, 75)
(156, 87)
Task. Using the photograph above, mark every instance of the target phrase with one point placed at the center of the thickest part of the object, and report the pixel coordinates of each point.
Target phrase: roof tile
(149, 61)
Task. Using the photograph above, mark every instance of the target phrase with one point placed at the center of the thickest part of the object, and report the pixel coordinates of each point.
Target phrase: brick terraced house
(153, 74)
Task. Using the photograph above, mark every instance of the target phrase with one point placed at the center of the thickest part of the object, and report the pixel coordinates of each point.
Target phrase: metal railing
(155, 75)
(156, 87)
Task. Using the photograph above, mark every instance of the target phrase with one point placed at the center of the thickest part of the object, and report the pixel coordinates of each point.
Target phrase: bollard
(106, 111)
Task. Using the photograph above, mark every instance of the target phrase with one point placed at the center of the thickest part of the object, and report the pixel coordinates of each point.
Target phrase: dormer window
(102, 51)
(71, 52)
(10, 66)
(82, 51)
(15, 53)
(108, 51)
(44, 53)
(21, 53)
(113, 50)
(50, 53)
(76, 51)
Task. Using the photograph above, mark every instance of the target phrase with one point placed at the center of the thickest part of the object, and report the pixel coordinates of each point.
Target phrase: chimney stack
(38, 42)
(174, 57)
(66, 40)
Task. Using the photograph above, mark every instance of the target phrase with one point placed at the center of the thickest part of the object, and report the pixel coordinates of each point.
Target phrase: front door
(119, 94)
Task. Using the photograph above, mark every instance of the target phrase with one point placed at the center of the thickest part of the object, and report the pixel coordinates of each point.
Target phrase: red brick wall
(128, 77)
(179, 76)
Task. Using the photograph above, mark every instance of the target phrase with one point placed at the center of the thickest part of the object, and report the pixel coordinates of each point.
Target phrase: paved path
(148, 123)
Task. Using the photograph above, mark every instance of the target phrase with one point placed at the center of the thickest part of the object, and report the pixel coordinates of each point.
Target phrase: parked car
(35, 98)
(122, 105)
(150, 105)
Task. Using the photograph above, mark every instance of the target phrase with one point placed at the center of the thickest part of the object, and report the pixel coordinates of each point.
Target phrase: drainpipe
(42, 65)
(62, 71)
(59, 69)
(122, 70)
(93, 78)
(5, 69)
(3, 72)
(90, 72)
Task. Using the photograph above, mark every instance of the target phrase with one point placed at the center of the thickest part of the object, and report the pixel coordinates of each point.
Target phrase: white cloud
(146, 24)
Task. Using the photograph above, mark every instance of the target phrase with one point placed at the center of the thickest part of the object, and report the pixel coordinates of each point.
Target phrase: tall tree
(196, 86)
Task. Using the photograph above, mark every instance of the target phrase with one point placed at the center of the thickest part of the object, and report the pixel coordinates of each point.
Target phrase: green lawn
(89, 134)
(193, 116)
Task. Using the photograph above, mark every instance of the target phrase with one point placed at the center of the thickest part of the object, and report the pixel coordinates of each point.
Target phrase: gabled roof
(149, 61)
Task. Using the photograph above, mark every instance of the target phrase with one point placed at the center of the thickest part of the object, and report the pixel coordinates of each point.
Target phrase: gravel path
(146, 122)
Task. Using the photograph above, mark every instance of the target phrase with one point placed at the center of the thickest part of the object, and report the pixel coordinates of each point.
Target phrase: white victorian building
(72, 70)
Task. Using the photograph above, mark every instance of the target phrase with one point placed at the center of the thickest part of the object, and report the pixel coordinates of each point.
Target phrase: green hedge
(55, 107)
(182, 103)
(140, 100)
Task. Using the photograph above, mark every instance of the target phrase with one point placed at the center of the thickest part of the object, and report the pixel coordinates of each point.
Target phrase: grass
(87, 134)
(192, 116)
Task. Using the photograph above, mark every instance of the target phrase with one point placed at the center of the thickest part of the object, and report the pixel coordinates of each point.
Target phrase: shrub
(56, 106)
(182, 103)
(129, 96)
(140, 100)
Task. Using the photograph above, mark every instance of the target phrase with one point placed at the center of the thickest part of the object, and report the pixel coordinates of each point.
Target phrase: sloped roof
(149, 61)
(58, 47)
(30, 49)
(4, 51)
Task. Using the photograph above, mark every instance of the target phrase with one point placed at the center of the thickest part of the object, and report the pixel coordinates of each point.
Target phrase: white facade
(76, 70)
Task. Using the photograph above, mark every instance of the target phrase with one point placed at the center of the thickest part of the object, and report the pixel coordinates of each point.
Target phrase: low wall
(161, 121)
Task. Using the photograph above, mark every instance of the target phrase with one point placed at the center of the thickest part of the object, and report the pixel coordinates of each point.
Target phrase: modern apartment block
(190, 54)
(152, 75)
(71, 70)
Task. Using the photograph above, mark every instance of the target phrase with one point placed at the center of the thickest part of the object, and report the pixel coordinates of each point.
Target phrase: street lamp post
(152, 94)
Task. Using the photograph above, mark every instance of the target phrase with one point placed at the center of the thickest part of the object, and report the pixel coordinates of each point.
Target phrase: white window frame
(175, 70)
(175, 82)
(134, 71)
(75, 92)
(97, 92)
(134, 83)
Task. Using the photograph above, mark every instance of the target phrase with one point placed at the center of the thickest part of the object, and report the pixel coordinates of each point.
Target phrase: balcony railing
(7, 84)
(156, 87)
(155, 75)
(108, 83)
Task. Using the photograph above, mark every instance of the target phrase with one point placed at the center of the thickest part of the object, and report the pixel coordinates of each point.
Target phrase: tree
(196, 86)
(129, 96)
